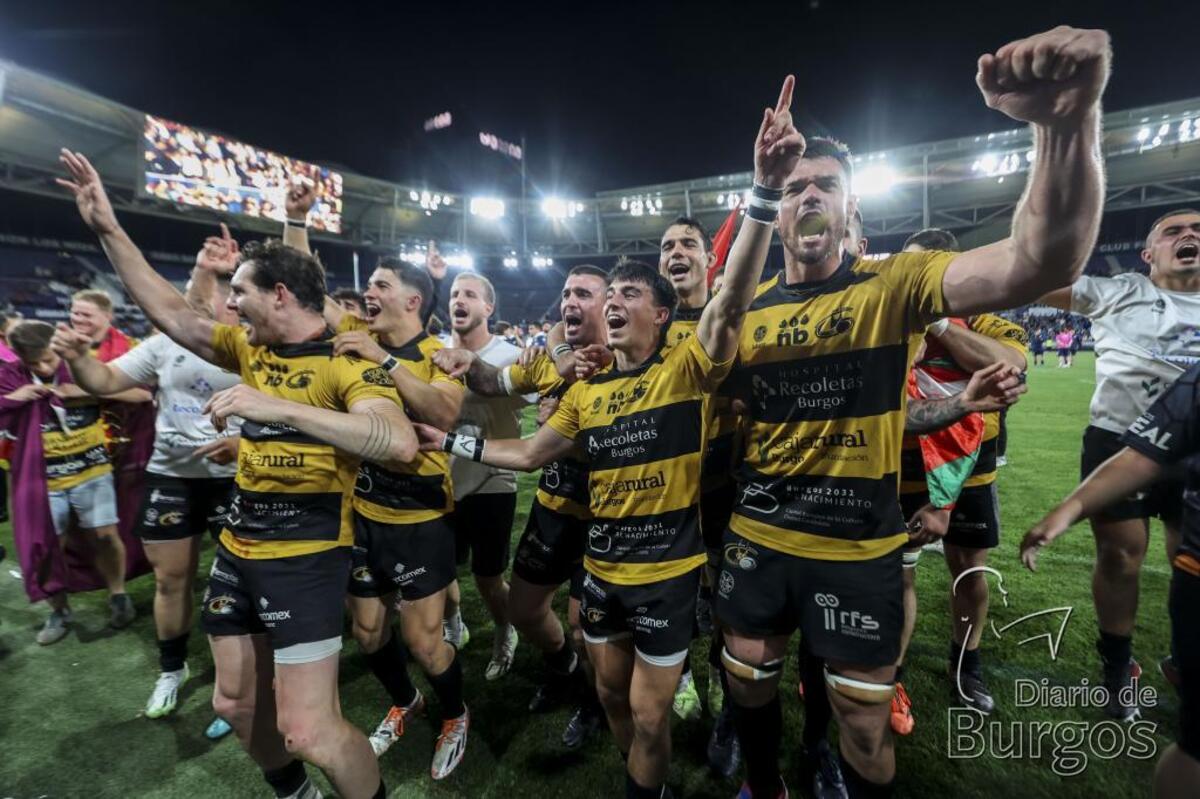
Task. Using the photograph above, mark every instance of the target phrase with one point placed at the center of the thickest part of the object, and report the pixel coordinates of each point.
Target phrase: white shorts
(94, 503)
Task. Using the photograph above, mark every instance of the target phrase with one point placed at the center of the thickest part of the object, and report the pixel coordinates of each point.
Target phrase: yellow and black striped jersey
(74, 444)
(293, 493)
(643, 433)
(422, 491)
(822, 367)
(719, 456)
(563, 486)
(1012, 335)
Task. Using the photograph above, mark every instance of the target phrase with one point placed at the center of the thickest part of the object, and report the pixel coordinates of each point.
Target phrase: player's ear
(1146, 259)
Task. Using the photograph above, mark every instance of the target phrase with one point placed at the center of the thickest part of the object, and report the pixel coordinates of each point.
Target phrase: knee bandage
(871, 693)
(738, 668)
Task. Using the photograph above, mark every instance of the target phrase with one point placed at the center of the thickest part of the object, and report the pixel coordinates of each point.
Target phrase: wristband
(939, 327)
(300, 223)
(561, 349)
(463, 446)
(389, 363)
(764, 216)
(770, 205)
(766, 193)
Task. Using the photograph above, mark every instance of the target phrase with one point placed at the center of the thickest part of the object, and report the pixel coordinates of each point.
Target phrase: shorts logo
(271, 615)
(223, 576)
(151, 517)
(742, 556)
(403, 577)
(590, 585)
(170, 518)
(157, 496)
(828, 603)
(594, 615)
(846, 622)
(362, 574)
(725, 584)
(221, 605)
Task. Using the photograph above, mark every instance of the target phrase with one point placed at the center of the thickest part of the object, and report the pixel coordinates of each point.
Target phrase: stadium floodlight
(491, 208)
(412, 195)
(1143, 134)
(510, 261)
(557, 208)
(875, 180)
(542, 261)
(460, 260)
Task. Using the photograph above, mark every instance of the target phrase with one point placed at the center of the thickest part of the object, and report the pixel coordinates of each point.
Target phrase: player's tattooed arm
(993, 388)
(482, 378)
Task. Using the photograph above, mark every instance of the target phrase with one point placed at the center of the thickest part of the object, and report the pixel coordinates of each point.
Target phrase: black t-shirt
(1168, 433)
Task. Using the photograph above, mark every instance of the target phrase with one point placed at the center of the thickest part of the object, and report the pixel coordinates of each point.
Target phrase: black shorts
(174, 508)
(849, 611)
(658, 616)
(298, 601)
(716, 507)
(482, 529)
(1063, 352)
(550, 551)
(975, 520)
(1184, 605)
(1163, 499)
(415, 559)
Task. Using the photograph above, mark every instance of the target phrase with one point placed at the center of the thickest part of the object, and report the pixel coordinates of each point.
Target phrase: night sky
(607, 94)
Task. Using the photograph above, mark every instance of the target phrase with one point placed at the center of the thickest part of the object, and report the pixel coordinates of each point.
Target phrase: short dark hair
(825, 147)
(277, 263)
(641, 272)
(346, 293)
(691, 221)
(1168, 215)
(502, 327)
(588, 269)
(415, 277)
(30, 339)
(933, 238)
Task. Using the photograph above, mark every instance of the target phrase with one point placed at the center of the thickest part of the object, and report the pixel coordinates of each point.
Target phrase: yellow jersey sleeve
(918, 277)
(349, 322)
(696, 364)
(1000, 329)
(540, 377)
(356, 380)
(565, 420)
(229, 346)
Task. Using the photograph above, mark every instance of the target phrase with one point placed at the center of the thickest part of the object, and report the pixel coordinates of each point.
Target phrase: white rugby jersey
(1146, 337)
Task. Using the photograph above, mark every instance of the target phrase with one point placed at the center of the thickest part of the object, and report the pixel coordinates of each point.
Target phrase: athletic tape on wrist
(297, 222)
(770, 205)
(939, 327)
(763, 216)
(389, 363)
(463, 446)
(766, 193)
(561, 349)
(506, 380)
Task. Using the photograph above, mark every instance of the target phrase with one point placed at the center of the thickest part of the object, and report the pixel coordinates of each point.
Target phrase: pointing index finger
(785, 94)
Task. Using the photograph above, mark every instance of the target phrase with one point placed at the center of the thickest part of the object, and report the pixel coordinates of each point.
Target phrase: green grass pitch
(71, 724)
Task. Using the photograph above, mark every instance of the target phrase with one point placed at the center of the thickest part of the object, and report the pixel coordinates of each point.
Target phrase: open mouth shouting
(678, 270)
(572, 322)
(372, 309)
(1188, 251)
(460, 313)
(615, 321)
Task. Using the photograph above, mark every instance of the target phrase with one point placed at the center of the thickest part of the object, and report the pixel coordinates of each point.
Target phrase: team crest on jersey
(596, 403)
(180, 359)
(760, 333)
(301, 379)
(221, 605)
(377, 376)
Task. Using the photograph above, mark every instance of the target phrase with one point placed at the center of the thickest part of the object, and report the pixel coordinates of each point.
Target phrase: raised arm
(1059, 298)
(298, 201)
(217, 258)
(159, 300)
(374, 429)
(1053, 81)
(482, 378)
(777, 149)
(522, 454)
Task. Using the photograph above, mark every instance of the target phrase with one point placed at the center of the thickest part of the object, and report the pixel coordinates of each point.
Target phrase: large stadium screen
(189, 166)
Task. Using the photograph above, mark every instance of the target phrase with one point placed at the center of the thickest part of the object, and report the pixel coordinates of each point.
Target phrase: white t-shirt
(490, 417)
(1145, 338)
(185, 382)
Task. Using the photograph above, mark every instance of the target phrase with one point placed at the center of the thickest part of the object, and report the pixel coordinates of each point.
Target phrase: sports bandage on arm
(462, 446)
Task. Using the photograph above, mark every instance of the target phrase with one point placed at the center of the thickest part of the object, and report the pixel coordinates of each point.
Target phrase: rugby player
(273, 606)
(551, 548)
(972, 527)
(685, 256)
(642, 423)
(190, 475)
(823, 360)
(1165, 437)
(485, 498)
(1144, 328)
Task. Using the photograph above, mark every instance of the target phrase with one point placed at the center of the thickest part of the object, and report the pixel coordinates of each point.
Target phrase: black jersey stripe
(400, 491)
(781, 293)
(277, 433)
(611, 374)
(847, 508)
(305, 349)
(668, 431)
(842, 385)
(76, 462)
(646, 539)
(278, 516)
(567, 478)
